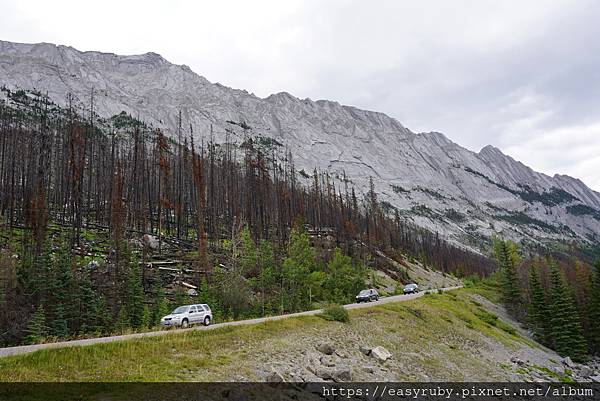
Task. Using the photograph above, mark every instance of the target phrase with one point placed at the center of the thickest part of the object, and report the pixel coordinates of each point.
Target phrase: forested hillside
(556, 296)
(101, 219)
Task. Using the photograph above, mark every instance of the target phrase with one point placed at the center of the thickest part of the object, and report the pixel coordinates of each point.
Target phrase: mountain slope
(464, 195)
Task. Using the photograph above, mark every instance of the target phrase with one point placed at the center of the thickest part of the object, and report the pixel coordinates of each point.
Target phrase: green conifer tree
(268, 276)
(61, 286)
(507, 255)
(122, 323)
(566, 332)
(103, 318)
(539, 315)
(248, 254)
(160, 307)
(145, 318)
(86, 304)
(135, 295)
(181, 298)
(36, 327)
(58, 326)
(344, 280)
(594, 309)
(296, 269)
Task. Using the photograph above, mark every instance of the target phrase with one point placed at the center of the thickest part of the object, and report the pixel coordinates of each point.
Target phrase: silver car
(186, 315)
(411, 289)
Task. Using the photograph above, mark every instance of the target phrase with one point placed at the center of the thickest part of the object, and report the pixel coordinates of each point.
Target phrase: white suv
(186, 315)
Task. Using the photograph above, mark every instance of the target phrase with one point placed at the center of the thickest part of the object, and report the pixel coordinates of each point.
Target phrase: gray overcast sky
(521, 75)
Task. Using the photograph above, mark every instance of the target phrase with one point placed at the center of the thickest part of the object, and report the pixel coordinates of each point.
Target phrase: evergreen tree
(594, 308)
(160, 307)
(268, 276)
(566, 331)
(145, 318)
(248, 253)
(86, 304)
(507, 255)
(207, 296)
(296, 269)
(58, 326)
(123, 322)
(135, 295)
(36, 327)
(181, 297)
(61, 286)
(103, 318)
(539, 315)
(343, 280)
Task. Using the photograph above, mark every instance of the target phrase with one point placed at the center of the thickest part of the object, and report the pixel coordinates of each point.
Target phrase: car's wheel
(185, 324)
(206, 321)
(376, 298)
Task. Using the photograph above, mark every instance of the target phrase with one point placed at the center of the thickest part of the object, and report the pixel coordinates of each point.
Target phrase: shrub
(335, 312)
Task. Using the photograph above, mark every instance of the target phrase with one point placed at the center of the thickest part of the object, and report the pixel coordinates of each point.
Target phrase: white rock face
(466, 196)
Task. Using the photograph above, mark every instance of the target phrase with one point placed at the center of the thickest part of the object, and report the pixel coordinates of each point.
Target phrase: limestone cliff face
(466, 196)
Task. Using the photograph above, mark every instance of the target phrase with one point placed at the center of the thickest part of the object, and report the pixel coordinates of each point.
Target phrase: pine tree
(344, 280)
(60, 286)
(181, 297)
(160, 307)
(146, 317)
(594, 309)
(566, 331)
(135, 295)
(539, 315)
(296, 270)
(36, 327)
(507, 256)
(86, 304)
(103, 318)
(268, 276)
(58, 326)
(248, 253)
(123, 322)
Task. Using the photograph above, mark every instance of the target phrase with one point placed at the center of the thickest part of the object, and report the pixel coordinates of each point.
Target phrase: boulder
(323, 373)
(327, 360)
(595, 378)
(369, 369)
(150, 241)
(365, 349)
(342, 375)
(559, 369)
(326, 348)
(341, 354)
(586, 371)
(274, 377)
(381, 354)
(568, 362)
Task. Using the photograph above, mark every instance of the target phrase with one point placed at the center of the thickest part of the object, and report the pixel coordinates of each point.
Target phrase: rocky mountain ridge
(464, 195)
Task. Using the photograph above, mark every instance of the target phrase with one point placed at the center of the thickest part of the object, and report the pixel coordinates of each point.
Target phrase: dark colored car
(411, 289)
(367, 295)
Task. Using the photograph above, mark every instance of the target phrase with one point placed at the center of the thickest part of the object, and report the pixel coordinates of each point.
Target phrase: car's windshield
(181, 309)
(410, 286)
(364, 292)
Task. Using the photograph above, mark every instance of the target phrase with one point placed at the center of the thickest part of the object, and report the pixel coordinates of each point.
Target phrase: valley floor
(438, 337)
